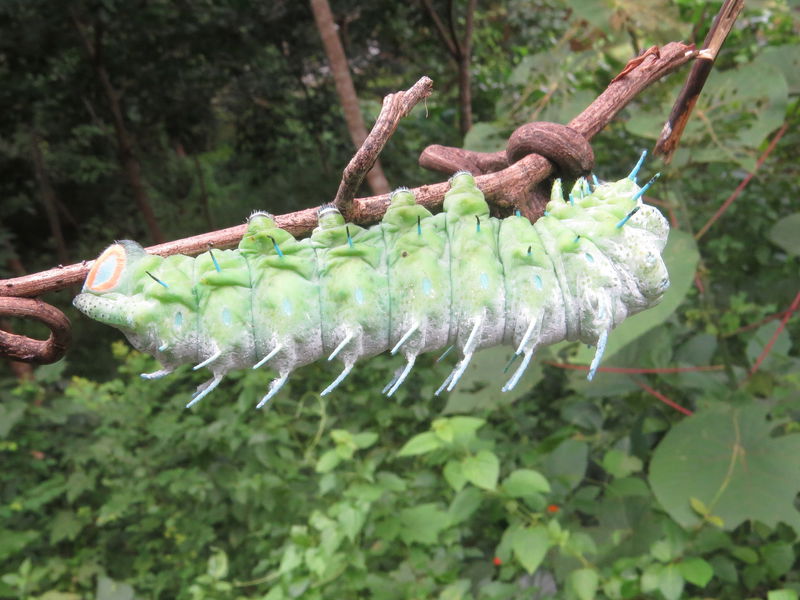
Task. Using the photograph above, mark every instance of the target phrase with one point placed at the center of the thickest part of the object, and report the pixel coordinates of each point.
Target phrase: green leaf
(218, 564)
(727, 458)
(523, 482)
(328, 461)
(352, 520)
(422, 443)
(454, 474)
(464, 504)
(481, 469)
(779, 558)
(530, 546)
(584, 583)
(696, 571)
(108, 589)
(566, 465)
(422, 523)
(745, 554)
(681, 257)
(670, 582)
(620, 464)
(365, 439)
(785, 594)
(66, 526)
(784, 234)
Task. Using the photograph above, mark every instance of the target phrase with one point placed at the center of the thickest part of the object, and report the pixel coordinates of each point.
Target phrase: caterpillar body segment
(414, 283)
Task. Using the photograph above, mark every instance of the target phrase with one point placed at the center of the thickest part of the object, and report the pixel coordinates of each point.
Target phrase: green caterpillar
(413, 283)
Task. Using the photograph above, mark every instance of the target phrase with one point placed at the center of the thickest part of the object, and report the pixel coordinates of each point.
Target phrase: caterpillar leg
(469, 349)
(274, 388)
(511, 383)
(271, 354)
(341, 345)
(204, 389)
(405, 337)
(345, 372)
(158, 374)
(395, 383)
(217, 353)
(598, 355)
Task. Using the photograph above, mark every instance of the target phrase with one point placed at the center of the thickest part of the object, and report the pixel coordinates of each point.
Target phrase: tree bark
(345, 89)
(127, 158)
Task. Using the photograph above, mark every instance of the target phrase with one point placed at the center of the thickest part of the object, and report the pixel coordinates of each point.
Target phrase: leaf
(328, 461)
(482, 469)
(66, 526)
(727, 458)
(784, 234)
(218, 564)
(696, 571)
(566, 465)
(108, 589)
(670, 582)
(530, 546)
(365, 439)
(422, 523)
(352, 520)
(681, 257)
(779, 558)
(785, 594)
(464, 504)
(584, 582)
(619, 464)
(524, 482)
(422, 443)
(454, 474)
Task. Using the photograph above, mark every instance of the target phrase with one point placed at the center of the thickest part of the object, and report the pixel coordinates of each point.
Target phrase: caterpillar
(413, 283)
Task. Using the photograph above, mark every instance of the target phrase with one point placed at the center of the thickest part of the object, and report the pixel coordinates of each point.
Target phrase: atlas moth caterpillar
(415, 282)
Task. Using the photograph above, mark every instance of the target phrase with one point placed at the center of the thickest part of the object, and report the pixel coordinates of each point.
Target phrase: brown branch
(503, 188)
(450, 43)
(395, 107)
(671, 134)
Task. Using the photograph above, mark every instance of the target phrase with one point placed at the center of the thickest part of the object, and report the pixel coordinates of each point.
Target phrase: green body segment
(414, 283)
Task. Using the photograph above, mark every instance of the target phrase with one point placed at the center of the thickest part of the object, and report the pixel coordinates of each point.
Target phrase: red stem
(743, 183)
(637, 370)
(768, 348)
(663, 398)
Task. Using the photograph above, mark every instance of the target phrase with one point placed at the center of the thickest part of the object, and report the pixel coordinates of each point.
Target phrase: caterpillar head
(111, 282)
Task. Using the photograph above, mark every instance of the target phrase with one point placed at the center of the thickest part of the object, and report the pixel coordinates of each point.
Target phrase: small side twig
(658, 395)
(395, 107)
(768, 348)
(682, 109)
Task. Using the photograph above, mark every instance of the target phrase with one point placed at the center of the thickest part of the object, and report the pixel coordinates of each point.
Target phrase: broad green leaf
(481, 469)
(422, 523)
(696, 571)
(727, 458)
(523, 482)
(422, 443)
(66, 526)
(454, 474)
(619, 464)
(464, 504)
(565, 466)
(681, 257)
(784, 234)
(786, 594)
(365, 439)
(108, 589)
(218, 564)
(670, 582)
(584, 583)
(745, 554)
(779, 558)
(530, 546)
(328, 461)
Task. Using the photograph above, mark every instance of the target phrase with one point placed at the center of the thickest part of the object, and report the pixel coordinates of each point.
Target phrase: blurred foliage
(110, 490)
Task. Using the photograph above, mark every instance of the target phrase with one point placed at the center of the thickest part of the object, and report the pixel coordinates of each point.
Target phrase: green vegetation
(111, 490)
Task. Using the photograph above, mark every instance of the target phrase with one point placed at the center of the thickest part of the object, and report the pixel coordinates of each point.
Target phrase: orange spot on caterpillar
(107, 269)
